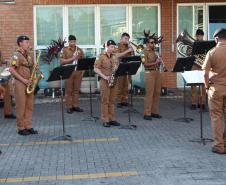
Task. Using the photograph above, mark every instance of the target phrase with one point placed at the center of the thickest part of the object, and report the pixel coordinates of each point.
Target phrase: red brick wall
(18, 19)
(168, 51)
(15, 19)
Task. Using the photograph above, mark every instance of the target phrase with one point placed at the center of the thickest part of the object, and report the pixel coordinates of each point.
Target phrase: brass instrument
(112, 80)
(186, 42)
(4, 72)
(199, 59)
(36, 76)
(140, 50)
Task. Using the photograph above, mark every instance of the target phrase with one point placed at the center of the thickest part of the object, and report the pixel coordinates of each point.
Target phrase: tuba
(36, 75)
(140, 50)
(186, 41)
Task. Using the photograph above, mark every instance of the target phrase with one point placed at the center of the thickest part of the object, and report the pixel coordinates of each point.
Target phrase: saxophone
(112, 80)
(36, 76)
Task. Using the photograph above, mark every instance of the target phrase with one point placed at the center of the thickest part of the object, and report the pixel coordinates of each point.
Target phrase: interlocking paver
(159, 150)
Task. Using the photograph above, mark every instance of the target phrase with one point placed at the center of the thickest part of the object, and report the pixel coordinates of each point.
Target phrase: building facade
(93, 22)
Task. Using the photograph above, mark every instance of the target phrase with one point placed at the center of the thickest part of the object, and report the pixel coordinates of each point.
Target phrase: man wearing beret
(104, 67)
(215, 83)
(70, 55)
(123, 81)
(21, 67)
(8, 109)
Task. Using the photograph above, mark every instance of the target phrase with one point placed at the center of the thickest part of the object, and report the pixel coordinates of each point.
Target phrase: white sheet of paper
(193, 77)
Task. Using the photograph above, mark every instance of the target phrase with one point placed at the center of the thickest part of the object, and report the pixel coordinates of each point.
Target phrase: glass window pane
(198, 18)
(144, 18)
(49, 24)
(190, 18)
(89, 52)
(81, 24)
(185, 19)
(217, 18)
(113, 23)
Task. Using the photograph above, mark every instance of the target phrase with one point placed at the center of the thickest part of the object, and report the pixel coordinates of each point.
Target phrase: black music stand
(128, 68)
(201, 139)
(61, 73)
(87, 64)
(202, 47)
(197, 78)
(184, 64)
(126, 60)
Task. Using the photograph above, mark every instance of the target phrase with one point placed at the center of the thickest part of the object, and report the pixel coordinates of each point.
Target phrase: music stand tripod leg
(129, 126)
(184, 119)
(133, 110)
(201, 139)
(65, 136)
(91, 117)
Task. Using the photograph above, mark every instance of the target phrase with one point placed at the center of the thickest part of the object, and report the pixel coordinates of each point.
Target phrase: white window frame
(36, 47)
(67, 23)
(193, 5)
(98, 44)
(143, 5)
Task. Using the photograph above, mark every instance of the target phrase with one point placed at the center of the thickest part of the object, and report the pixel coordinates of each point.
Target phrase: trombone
(139, 49)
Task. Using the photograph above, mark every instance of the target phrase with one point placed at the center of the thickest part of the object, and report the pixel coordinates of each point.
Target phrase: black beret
(110, 42)
(22, 38)
(71, 37)
(219, 31)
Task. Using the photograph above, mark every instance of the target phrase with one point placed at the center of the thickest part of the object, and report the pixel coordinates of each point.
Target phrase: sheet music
(193, 77)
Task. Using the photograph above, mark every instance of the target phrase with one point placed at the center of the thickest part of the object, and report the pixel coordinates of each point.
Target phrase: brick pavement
(157, 153)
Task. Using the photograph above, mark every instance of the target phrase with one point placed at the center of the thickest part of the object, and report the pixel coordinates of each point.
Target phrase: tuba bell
(185, 42)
